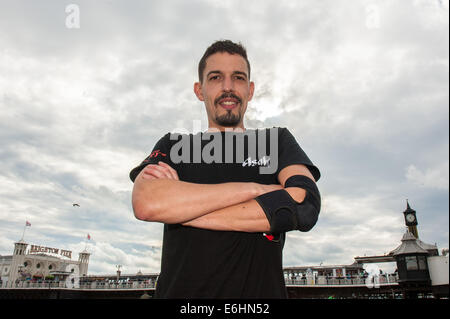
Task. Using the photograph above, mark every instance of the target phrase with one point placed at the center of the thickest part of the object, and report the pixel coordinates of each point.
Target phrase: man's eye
(214, 77)
(240, 78)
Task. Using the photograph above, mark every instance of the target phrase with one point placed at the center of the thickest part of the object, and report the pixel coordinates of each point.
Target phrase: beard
(229, 119)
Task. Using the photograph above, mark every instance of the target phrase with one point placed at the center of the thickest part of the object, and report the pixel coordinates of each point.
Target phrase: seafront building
(40, 263)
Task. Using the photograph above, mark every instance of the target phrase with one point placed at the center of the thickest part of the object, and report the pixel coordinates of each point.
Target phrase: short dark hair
(222, 46)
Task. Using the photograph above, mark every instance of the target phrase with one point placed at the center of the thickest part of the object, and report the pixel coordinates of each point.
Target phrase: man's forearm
(246, 217)
(172, 201)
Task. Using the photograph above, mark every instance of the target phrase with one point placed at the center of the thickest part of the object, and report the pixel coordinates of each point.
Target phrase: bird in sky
(75, 204)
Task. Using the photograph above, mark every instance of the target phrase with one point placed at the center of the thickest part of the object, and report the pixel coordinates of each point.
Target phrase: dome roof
(410, 245)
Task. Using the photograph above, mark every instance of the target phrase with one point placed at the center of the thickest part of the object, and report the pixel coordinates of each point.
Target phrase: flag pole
(24, 228)
(23, 234)
(88, 237)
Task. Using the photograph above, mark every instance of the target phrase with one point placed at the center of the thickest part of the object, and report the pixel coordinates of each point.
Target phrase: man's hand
(162, 170)
(165, 171)
(160, 196)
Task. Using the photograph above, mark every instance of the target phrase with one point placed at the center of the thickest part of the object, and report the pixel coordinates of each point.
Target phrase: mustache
(228, 95)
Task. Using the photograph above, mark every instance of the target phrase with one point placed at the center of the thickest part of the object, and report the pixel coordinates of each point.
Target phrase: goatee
(229, 119)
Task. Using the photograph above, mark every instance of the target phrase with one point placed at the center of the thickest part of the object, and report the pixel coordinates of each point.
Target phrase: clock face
(410, 218)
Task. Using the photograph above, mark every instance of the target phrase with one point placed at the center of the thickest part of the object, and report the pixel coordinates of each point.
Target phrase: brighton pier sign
(48, 250)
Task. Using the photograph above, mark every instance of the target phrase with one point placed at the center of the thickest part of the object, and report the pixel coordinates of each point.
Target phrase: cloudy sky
(88, 87)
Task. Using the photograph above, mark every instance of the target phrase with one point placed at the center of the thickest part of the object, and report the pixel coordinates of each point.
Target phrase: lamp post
(118, 272)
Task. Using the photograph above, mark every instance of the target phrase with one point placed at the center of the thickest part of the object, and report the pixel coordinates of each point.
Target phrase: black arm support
(284, 213)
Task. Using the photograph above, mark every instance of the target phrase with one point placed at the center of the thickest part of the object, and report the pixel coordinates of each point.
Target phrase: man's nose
(227, 84)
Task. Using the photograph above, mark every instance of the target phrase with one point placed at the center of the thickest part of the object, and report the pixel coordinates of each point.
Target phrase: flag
(27, 223)
(89, 237)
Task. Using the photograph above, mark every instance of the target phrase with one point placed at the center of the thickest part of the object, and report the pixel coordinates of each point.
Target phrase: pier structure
(41, 272)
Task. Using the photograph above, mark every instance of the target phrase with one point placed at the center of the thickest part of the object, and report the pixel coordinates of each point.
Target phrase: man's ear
(198, 91)
(251, 91)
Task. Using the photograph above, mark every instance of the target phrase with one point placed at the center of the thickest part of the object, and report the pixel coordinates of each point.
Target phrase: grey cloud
(80, 107)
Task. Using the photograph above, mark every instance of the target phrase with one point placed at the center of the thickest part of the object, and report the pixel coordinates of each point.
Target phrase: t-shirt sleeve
(160, 153)
(291, 153)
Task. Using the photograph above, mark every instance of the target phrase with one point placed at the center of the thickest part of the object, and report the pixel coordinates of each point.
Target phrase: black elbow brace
(284, 213)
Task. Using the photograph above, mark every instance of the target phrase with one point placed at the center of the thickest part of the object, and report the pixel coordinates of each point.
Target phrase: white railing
(127, 285)
(341, 281)
(308, 281)
(84, 286)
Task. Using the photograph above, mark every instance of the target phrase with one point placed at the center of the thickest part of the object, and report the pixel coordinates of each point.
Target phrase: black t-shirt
(199, 263)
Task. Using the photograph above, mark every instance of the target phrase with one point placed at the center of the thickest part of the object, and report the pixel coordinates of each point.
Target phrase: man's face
(226, 90)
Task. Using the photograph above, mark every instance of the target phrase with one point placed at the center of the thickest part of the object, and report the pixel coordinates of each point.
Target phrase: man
(225, 213)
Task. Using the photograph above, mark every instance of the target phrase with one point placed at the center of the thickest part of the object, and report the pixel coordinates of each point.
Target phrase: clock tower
(411, 220)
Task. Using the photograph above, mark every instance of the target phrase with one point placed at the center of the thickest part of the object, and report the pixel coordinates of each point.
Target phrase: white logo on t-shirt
(264, 161)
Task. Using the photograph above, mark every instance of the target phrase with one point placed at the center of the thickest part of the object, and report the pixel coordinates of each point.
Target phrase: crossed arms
(159, 196)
